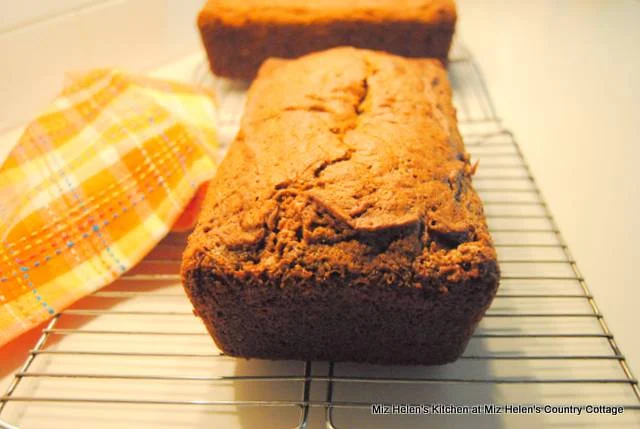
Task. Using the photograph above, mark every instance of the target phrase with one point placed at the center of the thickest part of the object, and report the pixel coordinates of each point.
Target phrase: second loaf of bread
(342, 225)
(239, 35)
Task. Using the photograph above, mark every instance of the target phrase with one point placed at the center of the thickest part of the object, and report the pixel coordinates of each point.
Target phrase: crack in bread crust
(369, 155)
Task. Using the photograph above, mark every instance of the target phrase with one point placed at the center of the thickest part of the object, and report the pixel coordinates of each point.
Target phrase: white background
(563, 75)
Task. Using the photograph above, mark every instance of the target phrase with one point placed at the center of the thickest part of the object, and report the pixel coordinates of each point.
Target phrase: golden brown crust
(234, 12)
(368, 139)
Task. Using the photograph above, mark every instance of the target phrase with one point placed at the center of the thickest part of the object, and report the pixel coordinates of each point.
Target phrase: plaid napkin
(93, 184)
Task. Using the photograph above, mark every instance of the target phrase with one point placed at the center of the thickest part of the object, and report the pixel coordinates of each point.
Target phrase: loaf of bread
(240, 35)
(342, 224)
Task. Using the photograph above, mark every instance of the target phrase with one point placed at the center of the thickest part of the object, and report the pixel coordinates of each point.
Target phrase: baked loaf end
(342, 224)
(239, 35)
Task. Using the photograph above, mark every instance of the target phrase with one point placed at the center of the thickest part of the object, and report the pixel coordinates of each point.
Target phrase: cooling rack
(133, 354)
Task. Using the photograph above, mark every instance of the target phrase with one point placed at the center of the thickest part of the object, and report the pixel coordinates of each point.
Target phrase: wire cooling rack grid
(133, 355)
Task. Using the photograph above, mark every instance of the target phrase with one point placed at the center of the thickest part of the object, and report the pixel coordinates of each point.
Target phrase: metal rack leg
(27, 364)
(306, 390)
(329, 408)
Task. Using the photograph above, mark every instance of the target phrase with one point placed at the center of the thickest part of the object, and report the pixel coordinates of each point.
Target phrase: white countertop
(564, 78)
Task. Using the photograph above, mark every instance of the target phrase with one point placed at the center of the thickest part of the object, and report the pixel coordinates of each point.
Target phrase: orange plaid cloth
(93, 184)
